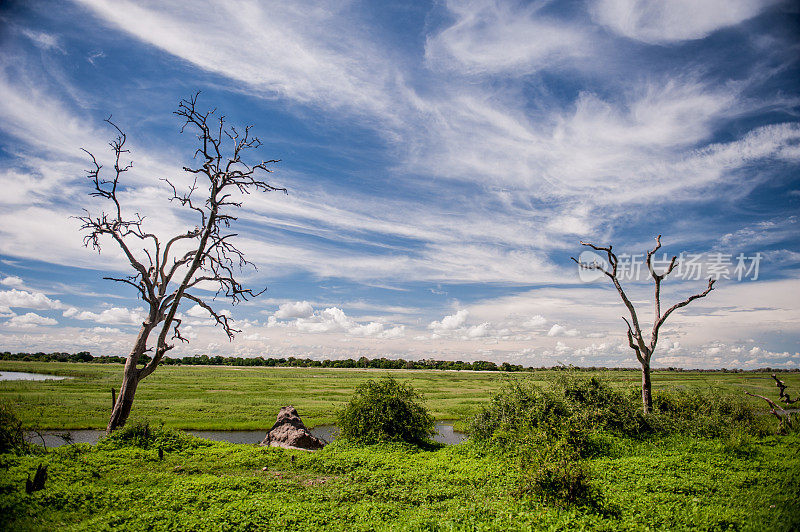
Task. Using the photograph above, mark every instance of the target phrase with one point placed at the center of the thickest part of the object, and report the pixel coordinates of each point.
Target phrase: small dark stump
(38, 481)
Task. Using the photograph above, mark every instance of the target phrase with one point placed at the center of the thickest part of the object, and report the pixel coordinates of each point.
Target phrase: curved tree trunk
(130, 380)
(647, 393)
(122, 408)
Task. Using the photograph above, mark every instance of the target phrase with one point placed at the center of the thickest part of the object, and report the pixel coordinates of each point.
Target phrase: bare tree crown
(636, 340)
(162, 275)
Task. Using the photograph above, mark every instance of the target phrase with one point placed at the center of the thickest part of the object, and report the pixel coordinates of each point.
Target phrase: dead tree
(166, 271)
(636, 341)
(786, 420)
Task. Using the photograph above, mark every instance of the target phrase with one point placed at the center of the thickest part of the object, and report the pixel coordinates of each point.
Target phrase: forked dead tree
(644, 350)
(167, 271)
(786, 419)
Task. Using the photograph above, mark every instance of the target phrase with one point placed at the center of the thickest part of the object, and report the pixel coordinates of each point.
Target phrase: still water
(22, 376)
(54, 438)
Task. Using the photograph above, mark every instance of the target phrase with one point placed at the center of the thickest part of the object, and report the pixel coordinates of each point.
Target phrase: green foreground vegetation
(248, 398)
(668, 484)
(554, 451)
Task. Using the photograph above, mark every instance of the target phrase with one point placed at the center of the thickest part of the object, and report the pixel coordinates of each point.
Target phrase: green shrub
(585, 411)
(559, 482)
(557, 476)
(385, 411)
(581, 412)
(707, 414)
(143, 436)
(12, 437)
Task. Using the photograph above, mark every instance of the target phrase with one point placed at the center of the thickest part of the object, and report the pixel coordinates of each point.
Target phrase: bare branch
(782, 392)
(631, 343)
(221, 319)
(221, 176)
(785, 420)
(683, 303)
(644, 352)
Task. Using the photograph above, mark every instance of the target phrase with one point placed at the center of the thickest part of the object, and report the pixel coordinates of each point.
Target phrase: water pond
(54, 438)
(23, 376)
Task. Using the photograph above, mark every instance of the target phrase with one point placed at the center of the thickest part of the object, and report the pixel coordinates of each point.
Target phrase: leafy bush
(143, 436)
(707, 414)
(584, 411)
(580, 413)
(384, 411)
(559, 482)
(12, 438)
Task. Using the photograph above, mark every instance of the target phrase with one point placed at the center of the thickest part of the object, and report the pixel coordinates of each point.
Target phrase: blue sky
(443, 162)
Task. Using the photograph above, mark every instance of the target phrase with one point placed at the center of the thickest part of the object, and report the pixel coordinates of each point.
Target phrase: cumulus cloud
(298, 309)
(113, 315)
(105, 330)
(560, 330)
(451, 322)
(535, 322)
(13, 281)
(25, 299)
(31, 319)
(331, 320)
(478, 331)
(197, 312)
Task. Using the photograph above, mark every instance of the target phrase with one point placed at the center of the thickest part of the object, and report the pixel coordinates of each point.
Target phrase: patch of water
(55, 438)
(24, 376)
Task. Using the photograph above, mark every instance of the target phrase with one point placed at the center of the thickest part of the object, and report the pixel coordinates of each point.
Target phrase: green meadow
(245, 398)
(670, 484)
(692, 472)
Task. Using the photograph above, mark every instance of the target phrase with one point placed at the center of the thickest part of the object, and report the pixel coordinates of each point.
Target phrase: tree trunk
(647, 394)
(122, 408)
(130, 380)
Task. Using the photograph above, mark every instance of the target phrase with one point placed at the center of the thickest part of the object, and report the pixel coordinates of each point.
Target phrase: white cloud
(106, 330)
(30, 319)
(535, 321)
(665, 21)
(763, 233)
(489, 36)
(329, 320)
(560, 330)
(197, 312)
(334, 63)
(25, 299)
(43, 40)
(451, 322)
(113, 315)
(298, 309)
(479, 331)
(332, 320)
(13, 281)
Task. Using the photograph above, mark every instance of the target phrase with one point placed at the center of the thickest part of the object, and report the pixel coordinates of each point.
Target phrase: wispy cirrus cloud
(667, 21)
(507, 133)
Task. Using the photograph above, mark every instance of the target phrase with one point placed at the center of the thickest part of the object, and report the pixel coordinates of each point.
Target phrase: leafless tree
(636, 341)
(167, 271)
(786, 418)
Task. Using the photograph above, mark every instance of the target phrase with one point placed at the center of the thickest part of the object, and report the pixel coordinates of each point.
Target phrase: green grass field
(664, 481)
(231, 398)
(669, 484)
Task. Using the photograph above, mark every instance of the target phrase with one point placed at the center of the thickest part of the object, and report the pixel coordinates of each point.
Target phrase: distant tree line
(363, 362)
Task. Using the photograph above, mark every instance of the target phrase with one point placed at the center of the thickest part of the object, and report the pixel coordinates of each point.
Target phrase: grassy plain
(665, 481)
(248, 398)
(670, 484)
